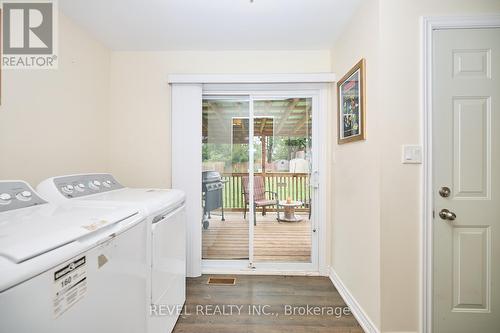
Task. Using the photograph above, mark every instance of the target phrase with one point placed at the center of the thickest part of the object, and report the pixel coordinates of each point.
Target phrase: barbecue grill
(211, 187)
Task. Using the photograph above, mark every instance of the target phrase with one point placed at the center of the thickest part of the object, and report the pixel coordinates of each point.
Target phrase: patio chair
(260, 199)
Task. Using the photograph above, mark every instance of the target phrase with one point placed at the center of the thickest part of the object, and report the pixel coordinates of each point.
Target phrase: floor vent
(221, 281)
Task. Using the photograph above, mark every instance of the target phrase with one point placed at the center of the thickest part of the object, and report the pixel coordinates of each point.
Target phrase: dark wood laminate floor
(235, 309)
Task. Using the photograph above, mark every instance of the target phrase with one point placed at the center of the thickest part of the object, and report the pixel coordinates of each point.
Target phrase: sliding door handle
(315, 179)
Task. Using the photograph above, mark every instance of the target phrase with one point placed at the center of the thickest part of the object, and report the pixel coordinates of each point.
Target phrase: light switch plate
(412, 154)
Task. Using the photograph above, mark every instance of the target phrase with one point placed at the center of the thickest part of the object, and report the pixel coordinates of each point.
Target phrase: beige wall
(103, 111)
(356, 172)
(400, 184)
(55, 121)
(140, 151)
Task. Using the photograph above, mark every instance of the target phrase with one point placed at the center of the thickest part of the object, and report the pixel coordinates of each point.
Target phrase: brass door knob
(445, 214)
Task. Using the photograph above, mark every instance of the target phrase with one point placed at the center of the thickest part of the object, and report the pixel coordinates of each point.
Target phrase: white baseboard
(356, 309)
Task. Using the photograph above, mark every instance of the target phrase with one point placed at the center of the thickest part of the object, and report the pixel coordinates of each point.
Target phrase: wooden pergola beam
(220, 118)
(290, 107)
(305, 120)
(284, 118)
(263, 125)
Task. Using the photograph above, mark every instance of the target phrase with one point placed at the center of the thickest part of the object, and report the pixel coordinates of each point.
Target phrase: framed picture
(351, 105)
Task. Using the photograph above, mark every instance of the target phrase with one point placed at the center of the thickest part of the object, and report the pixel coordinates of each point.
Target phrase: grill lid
(210, 176)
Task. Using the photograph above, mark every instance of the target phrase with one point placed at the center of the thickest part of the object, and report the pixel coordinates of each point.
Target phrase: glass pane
(282, 161)
(225, 149)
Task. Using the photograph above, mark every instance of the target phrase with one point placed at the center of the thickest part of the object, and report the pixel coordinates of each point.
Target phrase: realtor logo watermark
(286, 310)
(29, 34)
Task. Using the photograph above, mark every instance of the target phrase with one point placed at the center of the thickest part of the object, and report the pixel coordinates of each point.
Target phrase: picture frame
(351, 110)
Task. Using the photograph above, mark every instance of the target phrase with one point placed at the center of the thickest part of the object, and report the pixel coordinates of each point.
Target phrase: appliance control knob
(95, 185)
(24, 196)
(106, 183)
(80, 187)
(68, 189)
(5, 198)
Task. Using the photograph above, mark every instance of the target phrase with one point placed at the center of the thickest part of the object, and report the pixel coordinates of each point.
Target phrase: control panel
(15, 195)
(83, 185)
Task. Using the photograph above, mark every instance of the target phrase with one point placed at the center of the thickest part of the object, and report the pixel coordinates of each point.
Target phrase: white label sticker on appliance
(70, 285)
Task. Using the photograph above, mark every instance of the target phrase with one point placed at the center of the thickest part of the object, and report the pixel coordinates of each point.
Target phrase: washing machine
(164, 211)
(70, 267)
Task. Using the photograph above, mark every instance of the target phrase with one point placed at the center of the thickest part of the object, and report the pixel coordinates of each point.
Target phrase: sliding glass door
(225, 149)
(257, 194)
(282, 163)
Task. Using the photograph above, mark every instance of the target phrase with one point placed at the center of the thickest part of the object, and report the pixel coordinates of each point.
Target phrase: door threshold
(258, 272)
(262, 268)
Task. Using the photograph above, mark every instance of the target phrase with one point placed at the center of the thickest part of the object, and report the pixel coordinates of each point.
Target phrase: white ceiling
(134, 25)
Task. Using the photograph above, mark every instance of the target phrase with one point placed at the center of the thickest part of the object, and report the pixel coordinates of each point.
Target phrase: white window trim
(252, 78)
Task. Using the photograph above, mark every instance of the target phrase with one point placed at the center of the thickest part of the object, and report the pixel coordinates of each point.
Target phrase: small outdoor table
(289, 211)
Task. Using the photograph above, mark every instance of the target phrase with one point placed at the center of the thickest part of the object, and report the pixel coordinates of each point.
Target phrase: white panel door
(466, 146)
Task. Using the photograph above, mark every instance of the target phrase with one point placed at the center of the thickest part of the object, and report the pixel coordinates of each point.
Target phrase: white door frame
(319, 92)
(429, 24)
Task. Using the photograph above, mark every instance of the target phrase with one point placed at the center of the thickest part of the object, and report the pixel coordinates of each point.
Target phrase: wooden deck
(274, 241)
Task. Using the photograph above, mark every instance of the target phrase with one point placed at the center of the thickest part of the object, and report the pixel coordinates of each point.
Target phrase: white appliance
(69, 268)
(164, 210)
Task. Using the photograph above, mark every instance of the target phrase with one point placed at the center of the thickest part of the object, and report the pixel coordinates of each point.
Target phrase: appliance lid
(30, 232)
(150, 200)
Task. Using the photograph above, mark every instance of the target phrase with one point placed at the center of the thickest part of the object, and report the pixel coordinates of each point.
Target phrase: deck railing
(286, 184)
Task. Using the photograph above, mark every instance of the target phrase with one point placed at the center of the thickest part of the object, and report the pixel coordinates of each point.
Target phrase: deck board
(274, 241)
